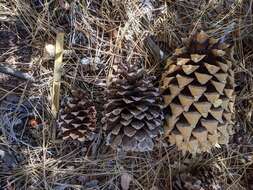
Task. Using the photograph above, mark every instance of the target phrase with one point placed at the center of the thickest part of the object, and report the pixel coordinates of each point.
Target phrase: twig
(10, 71)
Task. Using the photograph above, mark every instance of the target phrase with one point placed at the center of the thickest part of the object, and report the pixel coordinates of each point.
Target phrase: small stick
(57, 73)
(10, 71)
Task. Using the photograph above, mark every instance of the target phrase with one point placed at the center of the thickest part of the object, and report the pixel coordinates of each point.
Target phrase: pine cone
(77, 118)
(198, 90)
(205, 180)
(133, 113)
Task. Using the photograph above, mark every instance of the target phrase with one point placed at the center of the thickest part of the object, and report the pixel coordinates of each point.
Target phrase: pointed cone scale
(193, 146)
(217, 103)
(174, 90)
(168, 63)
(231, 81)
(182, 61)
(178, 137)
(224, 104)
(223, 139)
(176, 109)
(213, 138)
(202, 77)
(185, 129)
(192, 117)
(223, 129)
(219, 86)
(227, 116)
(166, 81)
(229, 63)
(171, 69)
(212, 69)
(206, 146)
(183, 80)
(231, 107)
(180, 51)
(217, 114)
(228, 92)
(224, 67)
(167, 99)
(200, 134)
(186, 101)
(222, 77)
(203, 107)
(197, 57)
(197, 91)
(184, 148)
(172, 139)
(218, 52)
(212, 96)
(202, 37)
(210, 125)
(188, 69)
(231, 72)
(170, 123)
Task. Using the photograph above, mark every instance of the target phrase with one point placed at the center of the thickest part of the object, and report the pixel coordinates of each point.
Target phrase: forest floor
(96, 33)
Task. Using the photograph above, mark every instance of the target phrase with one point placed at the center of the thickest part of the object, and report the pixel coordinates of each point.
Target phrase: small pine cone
(77, 118)
(133, 113)
(198, 90)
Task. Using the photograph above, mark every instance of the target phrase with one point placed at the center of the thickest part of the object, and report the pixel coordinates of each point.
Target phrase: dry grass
(100, 33)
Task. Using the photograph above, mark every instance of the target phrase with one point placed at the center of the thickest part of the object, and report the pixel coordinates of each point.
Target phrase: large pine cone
(77, 118)
(133, 113)
(198, 91)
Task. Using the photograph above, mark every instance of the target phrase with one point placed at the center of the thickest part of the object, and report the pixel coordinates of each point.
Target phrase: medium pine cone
(133, 113)
(198, 90)
(77, 118)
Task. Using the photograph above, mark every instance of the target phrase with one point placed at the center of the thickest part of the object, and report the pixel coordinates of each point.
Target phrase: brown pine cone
(198, 90)
(77, 118)
(133, 113)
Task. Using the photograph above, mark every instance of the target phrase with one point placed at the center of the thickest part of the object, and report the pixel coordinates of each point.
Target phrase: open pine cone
(198, 90)
(133, 113)
(77, 118)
